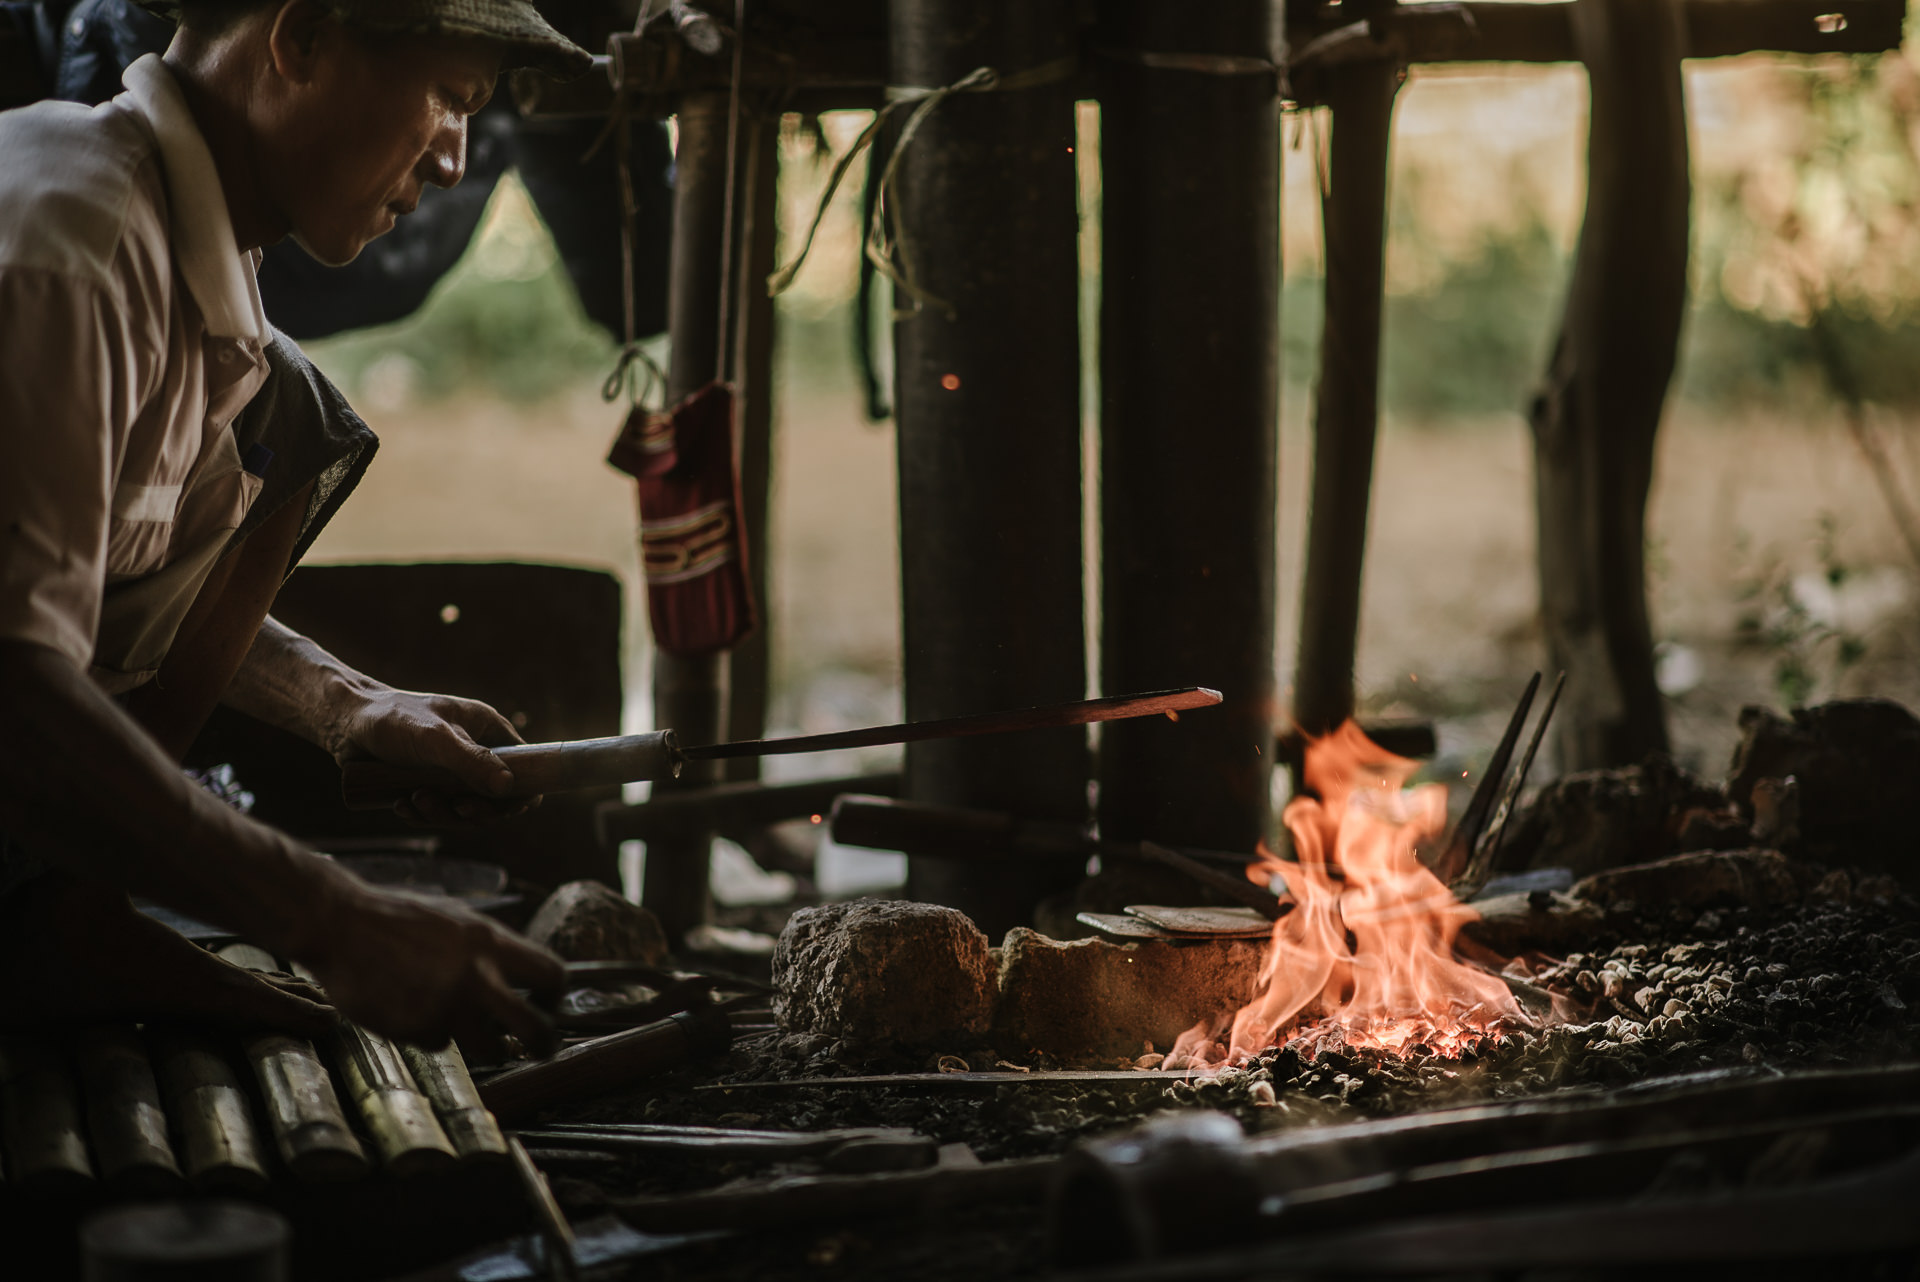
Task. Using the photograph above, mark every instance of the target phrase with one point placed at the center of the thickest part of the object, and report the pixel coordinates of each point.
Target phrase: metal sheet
(1122, 927)
(1230, 923)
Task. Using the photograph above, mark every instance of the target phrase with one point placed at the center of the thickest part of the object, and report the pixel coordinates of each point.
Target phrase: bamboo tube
(212, 1116)
(396, 1114)
(310, 1130)
(124, 1118)
(442, 1077)
(40, 1115)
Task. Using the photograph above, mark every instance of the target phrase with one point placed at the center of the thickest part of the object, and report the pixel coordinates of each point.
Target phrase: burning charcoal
(1092, 999)
(586, 921)
(873, 972)
(1857, 765)
(1750, 878)
(1605, 818)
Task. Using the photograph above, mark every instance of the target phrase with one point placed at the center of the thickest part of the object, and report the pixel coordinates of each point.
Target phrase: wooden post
(988, 395)
(1594, 421)
(1346, 412)
(758, 180)
(689, 691)
(1189, 378)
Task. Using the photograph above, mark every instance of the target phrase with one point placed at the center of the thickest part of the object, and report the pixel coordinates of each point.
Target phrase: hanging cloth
(693, 545)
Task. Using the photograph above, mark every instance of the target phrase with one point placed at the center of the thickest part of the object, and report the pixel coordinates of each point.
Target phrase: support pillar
(1189, 409)
(1347, 405)
(988, 412)
(1595, 420)
(689, 691)
(758, 170)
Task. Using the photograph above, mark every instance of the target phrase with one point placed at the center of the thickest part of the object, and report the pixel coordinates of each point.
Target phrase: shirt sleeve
(68, 379)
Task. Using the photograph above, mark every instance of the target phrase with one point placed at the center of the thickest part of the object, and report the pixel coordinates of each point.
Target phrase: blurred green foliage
(504, 322)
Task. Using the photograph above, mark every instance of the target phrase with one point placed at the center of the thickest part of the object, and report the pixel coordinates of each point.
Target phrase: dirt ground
(1448, 624)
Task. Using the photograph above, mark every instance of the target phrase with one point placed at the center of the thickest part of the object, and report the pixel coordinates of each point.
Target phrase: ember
(1366, 957)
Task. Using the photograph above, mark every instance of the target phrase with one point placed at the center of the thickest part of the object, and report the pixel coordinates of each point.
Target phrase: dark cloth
(315, 438)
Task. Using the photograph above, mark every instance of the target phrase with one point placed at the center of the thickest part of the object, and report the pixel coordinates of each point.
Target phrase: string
(887, 249)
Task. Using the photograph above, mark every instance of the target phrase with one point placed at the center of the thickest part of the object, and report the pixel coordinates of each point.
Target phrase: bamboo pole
(40, 1115)
(212, 1116)
(1346, 413)
(396, 1114)
(442, 1077)
(987, 389)
(125, 1121)
(1189, 334)
(310, 1129)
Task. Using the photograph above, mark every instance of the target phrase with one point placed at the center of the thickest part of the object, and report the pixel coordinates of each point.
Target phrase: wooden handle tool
(597, 763)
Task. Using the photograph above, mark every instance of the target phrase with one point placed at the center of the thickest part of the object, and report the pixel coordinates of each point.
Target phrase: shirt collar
(219, 276)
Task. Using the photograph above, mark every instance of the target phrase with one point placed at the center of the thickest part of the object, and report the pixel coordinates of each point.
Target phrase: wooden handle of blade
(537, 768)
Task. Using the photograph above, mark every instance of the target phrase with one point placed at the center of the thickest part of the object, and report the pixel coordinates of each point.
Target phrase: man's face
(374, 120)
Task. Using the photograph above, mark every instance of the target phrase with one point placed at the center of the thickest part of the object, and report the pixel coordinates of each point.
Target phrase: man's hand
(423, 971)
(405, 728)
(290, 682)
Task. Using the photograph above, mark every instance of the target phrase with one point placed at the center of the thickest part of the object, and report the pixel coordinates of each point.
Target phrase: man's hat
(530, 40)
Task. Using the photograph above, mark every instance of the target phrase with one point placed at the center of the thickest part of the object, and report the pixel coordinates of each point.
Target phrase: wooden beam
(757, 178)
(1346, 411)
(689, 691)
(987, 376)
(1189, 417)
(1595, 419)
(816, 73)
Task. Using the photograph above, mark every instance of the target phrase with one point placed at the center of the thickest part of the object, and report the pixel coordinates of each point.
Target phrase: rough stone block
(586, 921)
(884, 971)
(1093, 999)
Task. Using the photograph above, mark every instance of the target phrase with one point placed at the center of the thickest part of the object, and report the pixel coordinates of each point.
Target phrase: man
(136, 564)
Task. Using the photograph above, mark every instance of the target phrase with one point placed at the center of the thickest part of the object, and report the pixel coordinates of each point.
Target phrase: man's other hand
(404, 728)
(424, 971)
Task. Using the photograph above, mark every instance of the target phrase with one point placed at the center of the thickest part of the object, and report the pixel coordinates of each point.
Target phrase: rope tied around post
(887, 249)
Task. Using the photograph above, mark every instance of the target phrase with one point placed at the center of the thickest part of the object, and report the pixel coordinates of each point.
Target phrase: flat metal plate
(1230, 923)
(1120, 926)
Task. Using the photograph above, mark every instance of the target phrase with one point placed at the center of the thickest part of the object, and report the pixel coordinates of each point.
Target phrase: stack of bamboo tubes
(159, 1109)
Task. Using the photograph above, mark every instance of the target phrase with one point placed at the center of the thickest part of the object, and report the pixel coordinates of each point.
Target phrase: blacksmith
(165, 458)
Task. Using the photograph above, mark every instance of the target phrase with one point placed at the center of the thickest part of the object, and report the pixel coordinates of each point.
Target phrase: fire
(1366, 956)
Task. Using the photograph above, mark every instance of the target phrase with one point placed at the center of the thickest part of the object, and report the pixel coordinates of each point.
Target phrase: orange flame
(1366, 956)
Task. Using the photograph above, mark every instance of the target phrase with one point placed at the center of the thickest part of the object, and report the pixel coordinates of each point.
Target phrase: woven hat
(530, 40)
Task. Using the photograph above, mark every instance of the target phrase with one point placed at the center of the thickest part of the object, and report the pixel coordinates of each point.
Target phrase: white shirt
(131, 333)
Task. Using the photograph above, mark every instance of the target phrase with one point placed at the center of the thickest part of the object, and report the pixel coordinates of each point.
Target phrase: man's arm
(288, 681)
(84, 787)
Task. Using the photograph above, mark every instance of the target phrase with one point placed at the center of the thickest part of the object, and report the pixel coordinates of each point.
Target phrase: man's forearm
(85, 788)
(288, 681)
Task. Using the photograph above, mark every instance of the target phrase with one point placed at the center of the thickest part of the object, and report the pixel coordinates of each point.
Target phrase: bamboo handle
(309, 1127)
(40, 1115)
(125, 1118)
(219, 1146)
(442, 1077)
(537, 768)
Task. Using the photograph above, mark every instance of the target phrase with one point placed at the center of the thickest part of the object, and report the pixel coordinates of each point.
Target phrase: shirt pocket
(140, 528)
(217, 500)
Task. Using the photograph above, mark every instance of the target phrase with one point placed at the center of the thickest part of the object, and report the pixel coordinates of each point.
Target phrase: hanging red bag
(693, 548)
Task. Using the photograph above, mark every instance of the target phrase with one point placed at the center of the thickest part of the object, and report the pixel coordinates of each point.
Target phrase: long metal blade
(1459, 848)
(1080, 713)
(1480, 866)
